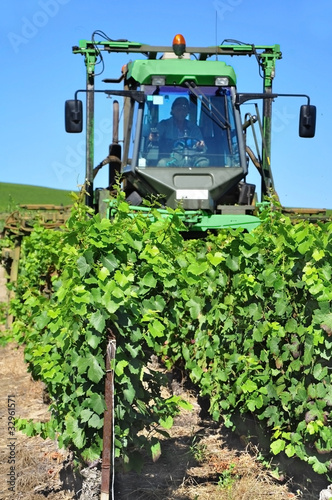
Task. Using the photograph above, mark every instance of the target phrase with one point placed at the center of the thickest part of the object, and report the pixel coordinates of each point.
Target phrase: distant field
(12, 195)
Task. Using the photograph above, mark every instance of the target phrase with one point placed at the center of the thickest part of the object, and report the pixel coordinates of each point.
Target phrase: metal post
(15, 255)
(114, 149)
(267, 62)
(266, 147)
(128, 113)
(90, 98)
(107, 468)
(90, 62)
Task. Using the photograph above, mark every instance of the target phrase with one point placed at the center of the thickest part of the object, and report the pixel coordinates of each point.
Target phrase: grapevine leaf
(85, 415)
(79, 439)
(109, 261)
(96, 422)
(232, 263)
(120, 366)
(156, 328)
(149, 280)
(42, 320)
(95, 372)
(92, 340)
(185, 404)
(97, 320)
(318, 371)
(82, 266)
(96, 401)
(290, 450)
(166, 422)
(317, 466)
(305, 245)
(194, 308)
(216, 258)
(249, 386)
(129, 394)
(277, 446)
(155, 450)
(103, 273)
(198, 268)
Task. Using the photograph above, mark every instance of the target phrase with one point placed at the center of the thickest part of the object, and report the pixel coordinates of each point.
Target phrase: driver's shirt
(169, 132)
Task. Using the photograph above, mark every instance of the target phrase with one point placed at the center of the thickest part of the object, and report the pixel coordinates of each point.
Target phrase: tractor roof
(177, 71)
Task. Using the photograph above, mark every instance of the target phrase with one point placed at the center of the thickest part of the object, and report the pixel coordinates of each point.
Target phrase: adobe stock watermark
(224, 7)
(74, 157)
(31, 26)
(281, 119)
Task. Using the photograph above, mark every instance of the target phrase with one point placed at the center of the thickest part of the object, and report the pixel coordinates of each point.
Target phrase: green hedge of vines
(247, 315)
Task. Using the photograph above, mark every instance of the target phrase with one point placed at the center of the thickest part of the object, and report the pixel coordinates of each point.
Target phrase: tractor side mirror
(307, 125)
(74, 116)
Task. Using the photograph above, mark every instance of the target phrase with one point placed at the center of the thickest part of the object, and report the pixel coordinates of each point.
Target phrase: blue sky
(39, 72)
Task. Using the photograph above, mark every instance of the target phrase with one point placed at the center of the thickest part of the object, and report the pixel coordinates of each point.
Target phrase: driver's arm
(200, 146)
(197, 133)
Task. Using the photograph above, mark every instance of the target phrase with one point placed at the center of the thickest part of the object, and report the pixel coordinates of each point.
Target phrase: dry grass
(38, 462)
(196, 463)
(37, 466)
(228, 475)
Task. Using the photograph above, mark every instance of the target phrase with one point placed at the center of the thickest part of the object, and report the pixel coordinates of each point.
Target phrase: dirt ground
(200, 460)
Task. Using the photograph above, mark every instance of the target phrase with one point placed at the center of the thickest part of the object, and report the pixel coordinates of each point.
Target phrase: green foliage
(76, 288)
(5, 336)
(253, 331)
(227, 477)
(247, 315)
(198, 450)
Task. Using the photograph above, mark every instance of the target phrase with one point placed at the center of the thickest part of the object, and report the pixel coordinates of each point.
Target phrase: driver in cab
(177, 136)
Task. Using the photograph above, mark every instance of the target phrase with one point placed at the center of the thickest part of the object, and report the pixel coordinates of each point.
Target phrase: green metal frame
(265, 54)
(198, 220)
(91, 50)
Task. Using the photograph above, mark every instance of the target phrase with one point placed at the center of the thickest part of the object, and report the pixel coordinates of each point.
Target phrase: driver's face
(180, 111)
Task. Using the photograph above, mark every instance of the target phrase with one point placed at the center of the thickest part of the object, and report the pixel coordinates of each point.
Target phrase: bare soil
(200, 461)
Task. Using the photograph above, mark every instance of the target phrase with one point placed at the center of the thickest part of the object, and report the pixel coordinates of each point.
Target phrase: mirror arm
(244, 97)
(137, 95)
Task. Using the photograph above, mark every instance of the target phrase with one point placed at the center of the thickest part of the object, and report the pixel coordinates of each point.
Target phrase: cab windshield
(194, 128)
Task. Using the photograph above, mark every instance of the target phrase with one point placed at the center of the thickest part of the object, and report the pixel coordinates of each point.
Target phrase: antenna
(216, 29)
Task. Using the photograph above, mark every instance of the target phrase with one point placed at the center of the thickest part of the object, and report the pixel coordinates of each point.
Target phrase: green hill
(12, 195)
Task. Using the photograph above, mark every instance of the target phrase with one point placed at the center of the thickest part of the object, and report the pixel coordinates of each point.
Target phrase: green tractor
(184, 139)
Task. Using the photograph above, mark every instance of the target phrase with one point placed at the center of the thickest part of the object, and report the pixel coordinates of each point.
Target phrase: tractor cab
(187, 144)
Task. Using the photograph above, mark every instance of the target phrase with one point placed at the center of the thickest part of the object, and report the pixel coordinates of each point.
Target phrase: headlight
(158, 81)
(221, 81)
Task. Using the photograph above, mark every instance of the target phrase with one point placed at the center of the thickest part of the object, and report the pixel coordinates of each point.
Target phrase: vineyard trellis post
(107, 469)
